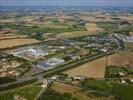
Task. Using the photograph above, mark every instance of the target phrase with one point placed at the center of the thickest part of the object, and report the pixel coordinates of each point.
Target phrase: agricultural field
(121, 58)
(7, 32)
(128, 45)
(16, 42)
(131, 33)
(7, 21)
(128, 18)
(28, 92)
(108, 26)
(115, 27)
(97, 18)
(63, 88)
(96, 68)
(92, 27)
(75, 34)
(76, 92)
(30, 24)
(120, 90)
(89, 18)
(93, 69)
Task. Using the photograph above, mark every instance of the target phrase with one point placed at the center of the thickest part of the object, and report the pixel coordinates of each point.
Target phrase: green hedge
(17, 84)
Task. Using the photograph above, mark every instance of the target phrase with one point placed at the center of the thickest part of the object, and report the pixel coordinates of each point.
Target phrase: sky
(124, 3)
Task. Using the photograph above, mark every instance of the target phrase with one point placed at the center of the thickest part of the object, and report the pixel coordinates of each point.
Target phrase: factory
(30, 53)
(50, 63)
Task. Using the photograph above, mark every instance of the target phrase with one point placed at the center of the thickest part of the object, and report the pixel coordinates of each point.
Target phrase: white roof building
(32, 52)
(55, 61)
(129, 39)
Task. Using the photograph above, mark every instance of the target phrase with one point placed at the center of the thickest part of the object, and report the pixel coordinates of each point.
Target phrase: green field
(122, 91)
(53, 95)
(28, 92)
(115, 27)
(95, 84)
(108, 26)
(113, 71)
(31, 29)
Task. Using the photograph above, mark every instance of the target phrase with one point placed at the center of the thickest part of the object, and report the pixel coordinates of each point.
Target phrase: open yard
(93, 69)
(16, 42)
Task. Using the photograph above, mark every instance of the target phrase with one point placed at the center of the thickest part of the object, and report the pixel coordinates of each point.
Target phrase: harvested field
(16, 42)
(131, 33)
(121, 58)
(7, 21)
(128, 18)
(27, 18)
(7, 31)
(96, 68)
(97, 18)
(62, 88)
(51, 24)
(11, 36)
(93, 69)
(88, 18)
(75, 34)
(92, 27)
(128, 45)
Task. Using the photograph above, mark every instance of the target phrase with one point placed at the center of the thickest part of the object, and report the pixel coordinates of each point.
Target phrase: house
(131, 80)
(103, 50)
(123, 81)
(54, 77)
(121, 74)
(62, 47)
(78, 77)
(74, 57)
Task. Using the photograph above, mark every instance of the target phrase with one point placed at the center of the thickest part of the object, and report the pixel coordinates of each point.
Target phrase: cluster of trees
(7, 79)
(17, 84)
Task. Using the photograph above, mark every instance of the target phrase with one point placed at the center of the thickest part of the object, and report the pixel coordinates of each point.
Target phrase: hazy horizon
(115, 3)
